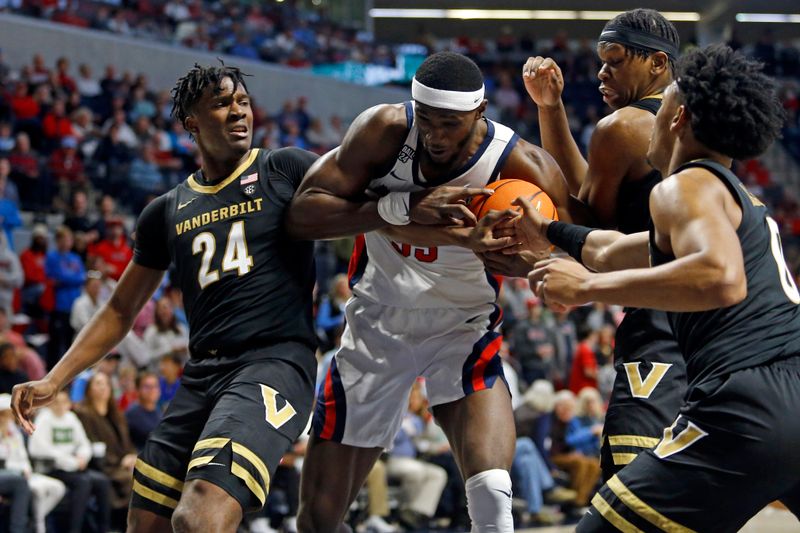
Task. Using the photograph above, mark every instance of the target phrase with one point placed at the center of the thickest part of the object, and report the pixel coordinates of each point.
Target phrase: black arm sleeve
(151, 249)
(290, 165)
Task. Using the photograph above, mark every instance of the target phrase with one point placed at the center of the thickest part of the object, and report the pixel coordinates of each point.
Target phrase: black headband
(639, 39)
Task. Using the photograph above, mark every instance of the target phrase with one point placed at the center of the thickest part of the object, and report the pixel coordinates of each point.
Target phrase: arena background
(315, 66)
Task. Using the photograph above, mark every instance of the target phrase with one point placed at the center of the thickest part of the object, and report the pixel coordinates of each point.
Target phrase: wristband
(568, 237)
(394, 208)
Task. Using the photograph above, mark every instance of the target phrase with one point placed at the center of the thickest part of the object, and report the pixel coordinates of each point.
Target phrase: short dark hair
(733, 106)
(189, 88)
(650, 21)
(143, 375)
(449, 71)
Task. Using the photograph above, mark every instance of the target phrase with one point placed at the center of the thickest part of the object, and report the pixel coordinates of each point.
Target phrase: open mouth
(239, 131)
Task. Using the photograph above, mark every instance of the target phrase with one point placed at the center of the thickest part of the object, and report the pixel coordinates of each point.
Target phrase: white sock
(489, 502)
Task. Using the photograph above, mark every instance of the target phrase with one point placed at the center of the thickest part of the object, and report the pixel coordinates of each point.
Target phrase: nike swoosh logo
(184, 204)
(395, 176)
(504, 492)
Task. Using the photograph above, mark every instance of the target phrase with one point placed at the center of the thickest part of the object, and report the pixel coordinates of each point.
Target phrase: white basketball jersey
(399, 275)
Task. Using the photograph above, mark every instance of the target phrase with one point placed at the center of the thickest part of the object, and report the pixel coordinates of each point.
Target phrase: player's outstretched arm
(695, 219)
(331, 202)
(598, 250)
(544, 83)
(106, 329)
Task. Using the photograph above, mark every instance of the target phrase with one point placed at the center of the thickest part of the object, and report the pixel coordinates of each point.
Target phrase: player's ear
(481, 108)
(190, 125)
(659, 62)
(680, 120)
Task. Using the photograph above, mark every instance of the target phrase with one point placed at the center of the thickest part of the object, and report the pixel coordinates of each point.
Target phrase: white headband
(455, 100)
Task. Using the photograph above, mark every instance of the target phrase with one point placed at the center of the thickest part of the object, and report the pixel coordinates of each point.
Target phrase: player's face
(622, 75)
(662, 140)
(223, 120)
(444, 132)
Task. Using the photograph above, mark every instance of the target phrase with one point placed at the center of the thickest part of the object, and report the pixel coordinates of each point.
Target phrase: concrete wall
(22, 37)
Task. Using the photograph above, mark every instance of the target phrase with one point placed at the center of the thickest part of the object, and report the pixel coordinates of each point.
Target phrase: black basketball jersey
(633, 204)
(765, 326)
(245, 283)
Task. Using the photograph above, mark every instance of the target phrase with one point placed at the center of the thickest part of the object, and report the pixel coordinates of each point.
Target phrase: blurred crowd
(81, 153)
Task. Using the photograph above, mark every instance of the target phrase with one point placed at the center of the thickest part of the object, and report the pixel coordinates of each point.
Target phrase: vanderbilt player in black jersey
(247, 390)
(718, 271)
(637, 49)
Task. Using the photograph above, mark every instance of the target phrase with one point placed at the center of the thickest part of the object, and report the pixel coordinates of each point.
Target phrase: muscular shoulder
(686, 191)
(622, 126)
(374, 137)
(383, 119)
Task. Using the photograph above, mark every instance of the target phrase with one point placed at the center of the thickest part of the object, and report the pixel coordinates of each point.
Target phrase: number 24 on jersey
(236, 256)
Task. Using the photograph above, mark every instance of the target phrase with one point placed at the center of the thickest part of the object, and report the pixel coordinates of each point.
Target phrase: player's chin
(240, 142)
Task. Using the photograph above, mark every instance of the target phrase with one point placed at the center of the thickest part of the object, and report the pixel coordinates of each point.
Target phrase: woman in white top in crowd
(166, 335)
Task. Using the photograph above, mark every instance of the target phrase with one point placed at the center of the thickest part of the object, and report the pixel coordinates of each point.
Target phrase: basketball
(506, 191)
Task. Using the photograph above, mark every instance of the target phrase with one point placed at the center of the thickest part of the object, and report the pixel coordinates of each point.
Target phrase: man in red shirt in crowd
(113, 249)
(32, 260)
(584, 363)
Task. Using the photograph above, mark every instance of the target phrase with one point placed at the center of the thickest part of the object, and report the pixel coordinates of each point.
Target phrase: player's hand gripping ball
(508, 190)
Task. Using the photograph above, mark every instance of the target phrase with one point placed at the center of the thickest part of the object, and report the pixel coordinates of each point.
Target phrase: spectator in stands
(11, 275)
(61, 444)
(29, 361)
(166, 335)
(26, 109)
(378, 500)
(534, 341)
(126, 134)
(10, 373)
(422, 482)
(88, 87)
(113, 249)
(533, 483)
(26, 171)
(127, 394)
(65, 269)
(144, 176)
(8, 189)
(88, 303)
(108, 211)
(6, 137)
(591, 413)
(568, 438)
(169, 370)
(330, 312)
(78, 219)
(144, 415)
(33, 266)
(584, 363)
(56, 124)
(46, 491)
(104, 423)
(15, 489)
(65, 165)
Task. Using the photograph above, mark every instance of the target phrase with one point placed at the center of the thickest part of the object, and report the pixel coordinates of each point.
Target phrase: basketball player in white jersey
(423, 303)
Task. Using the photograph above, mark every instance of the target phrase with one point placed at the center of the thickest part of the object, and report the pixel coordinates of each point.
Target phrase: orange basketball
(506, 191)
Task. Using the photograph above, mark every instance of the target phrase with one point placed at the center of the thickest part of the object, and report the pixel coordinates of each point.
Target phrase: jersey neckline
(211, 189)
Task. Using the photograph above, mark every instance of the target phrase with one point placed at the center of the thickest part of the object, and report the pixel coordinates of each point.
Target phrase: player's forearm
(689, 284)
(315, 214)
(424, 236)
(607, 251)
(557, 140)
(106, 329)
